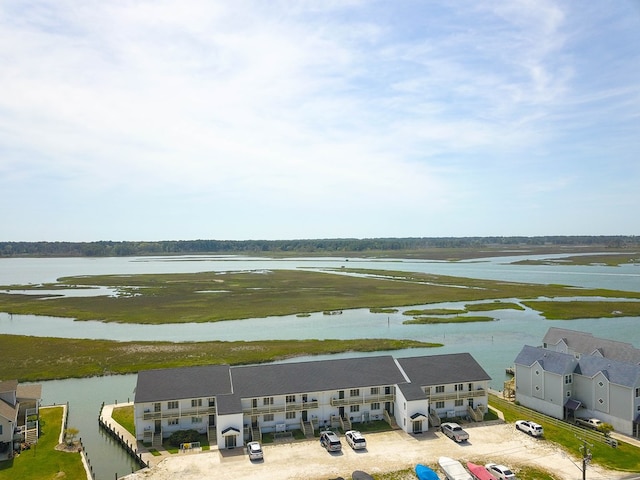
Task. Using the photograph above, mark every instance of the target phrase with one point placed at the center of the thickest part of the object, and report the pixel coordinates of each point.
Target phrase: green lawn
(124, 416)
(625, 457)
(42, 461)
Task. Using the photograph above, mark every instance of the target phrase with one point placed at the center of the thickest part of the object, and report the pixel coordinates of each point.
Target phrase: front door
(304, 415)
(341, 412)
(157, 427)
(417, 426)
(230, 441)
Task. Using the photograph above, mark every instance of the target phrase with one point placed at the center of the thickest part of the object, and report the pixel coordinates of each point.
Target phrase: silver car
(254, 450)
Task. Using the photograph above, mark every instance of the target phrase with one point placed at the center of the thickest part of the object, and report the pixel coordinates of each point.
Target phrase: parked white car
(254, 450)
(355, 439)
(532, 428)
(500, 471)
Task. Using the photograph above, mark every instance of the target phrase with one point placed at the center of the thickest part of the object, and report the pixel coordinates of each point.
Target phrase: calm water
(494, 344)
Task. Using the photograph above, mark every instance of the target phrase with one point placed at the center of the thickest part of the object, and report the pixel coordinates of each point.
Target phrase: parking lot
(385, 452)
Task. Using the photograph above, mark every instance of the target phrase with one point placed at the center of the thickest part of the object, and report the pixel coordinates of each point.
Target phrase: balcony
(279, 408)
(359, 400)
(434, 397)
(176, 412)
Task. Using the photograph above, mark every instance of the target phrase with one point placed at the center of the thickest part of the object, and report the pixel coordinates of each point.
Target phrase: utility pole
(586, 458)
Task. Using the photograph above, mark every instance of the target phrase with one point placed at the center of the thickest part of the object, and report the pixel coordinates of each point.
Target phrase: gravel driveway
(387, 451)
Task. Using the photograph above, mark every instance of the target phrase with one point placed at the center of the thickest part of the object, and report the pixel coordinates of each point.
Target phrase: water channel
(494, 344)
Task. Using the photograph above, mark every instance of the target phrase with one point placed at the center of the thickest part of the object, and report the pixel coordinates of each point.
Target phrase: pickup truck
(593, 423)
(454, 432)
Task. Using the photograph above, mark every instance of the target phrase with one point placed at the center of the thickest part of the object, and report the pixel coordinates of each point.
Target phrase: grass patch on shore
(124, 416)
(457, 319)
(216, 296)
(434, 311)
(575, 309)
(43, 358)
(489, 306)
(610, 260)
(42, 461)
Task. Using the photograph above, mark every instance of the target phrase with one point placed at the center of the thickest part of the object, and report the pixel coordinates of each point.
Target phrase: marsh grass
(457, 319)
(43, 358)
(216, 296)
(584, 309)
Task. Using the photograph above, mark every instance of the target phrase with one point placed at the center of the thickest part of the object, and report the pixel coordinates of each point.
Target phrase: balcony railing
(433, 397)
(360, 399)
(279, 408)
(179, 412)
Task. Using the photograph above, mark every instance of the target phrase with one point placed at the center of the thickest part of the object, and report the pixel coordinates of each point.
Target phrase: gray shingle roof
(586, 343)
(185, 382)
(411, 391)
(620, 373)
(442, 369)
(315, 376)
(555, 362)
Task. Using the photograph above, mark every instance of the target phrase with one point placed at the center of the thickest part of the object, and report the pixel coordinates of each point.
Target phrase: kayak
(360, 475)
(479, 472)
(425, 473)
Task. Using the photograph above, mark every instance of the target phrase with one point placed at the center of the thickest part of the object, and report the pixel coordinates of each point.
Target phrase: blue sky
(159, 120)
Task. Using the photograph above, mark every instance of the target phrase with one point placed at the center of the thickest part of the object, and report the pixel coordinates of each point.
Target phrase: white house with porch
(236, 404)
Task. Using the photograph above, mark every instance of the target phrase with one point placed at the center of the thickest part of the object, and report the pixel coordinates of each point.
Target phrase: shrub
(184, 436)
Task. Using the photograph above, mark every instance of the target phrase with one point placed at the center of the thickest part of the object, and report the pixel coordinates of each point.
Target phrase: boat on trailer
(479, 472)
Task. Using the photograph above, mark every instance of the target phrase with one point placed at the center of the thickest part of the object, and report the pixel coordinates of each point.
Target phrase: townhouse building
(235, 404)
(574, 374)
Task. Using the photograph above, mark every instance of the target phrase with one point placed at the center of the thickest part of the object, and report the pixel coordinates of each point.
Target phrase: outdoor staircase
(345, 423)
(434, 419)
(256, 434)
(477, 414)
(31, 436)
(390, 420)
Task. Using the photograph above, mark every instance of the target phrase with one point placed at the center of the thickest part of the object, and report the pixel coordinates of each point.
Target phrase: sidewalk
(106, 416)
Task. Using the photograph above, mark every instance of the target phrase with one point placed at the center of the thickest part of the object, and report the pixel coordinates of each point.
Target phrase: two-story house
(577, 375)
(235, 404)
(19, 410)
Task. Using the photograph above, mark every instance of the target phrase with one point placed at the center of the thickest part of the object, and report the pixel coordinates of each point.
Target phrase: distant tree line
(327, 246)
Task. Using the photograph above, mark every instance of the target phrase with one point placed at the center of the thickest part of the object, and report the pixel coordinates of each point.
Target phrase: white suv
(355, 439)
(529, 427)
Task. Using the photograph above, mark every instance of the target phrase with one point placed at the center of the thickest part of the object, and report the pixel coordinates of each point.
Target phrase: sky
(175, 120)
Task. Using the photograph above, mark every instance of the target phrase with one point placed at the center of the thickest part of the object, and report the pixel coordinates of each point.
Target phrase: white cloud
(361, 103)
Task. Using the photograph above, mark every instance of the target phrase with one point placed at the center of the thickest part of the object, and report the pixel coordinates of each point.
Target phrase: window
(172, 405)
(291, 399)
(173, 421)
(354, 408)
(439, 404)
(459, 387)
(568, 393)
(290, 415)
(267, 401)
(157, 407)
(537, 388)
(196, 402)
(0, 429)
(376, 391)
(440, 389)
(267, 417)
(354, 392)
(568, 379)
(600, 384)
(637, 392)
(537, 372)
(375, 406)
(600, 401)
(196, 419)
(459, 402)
